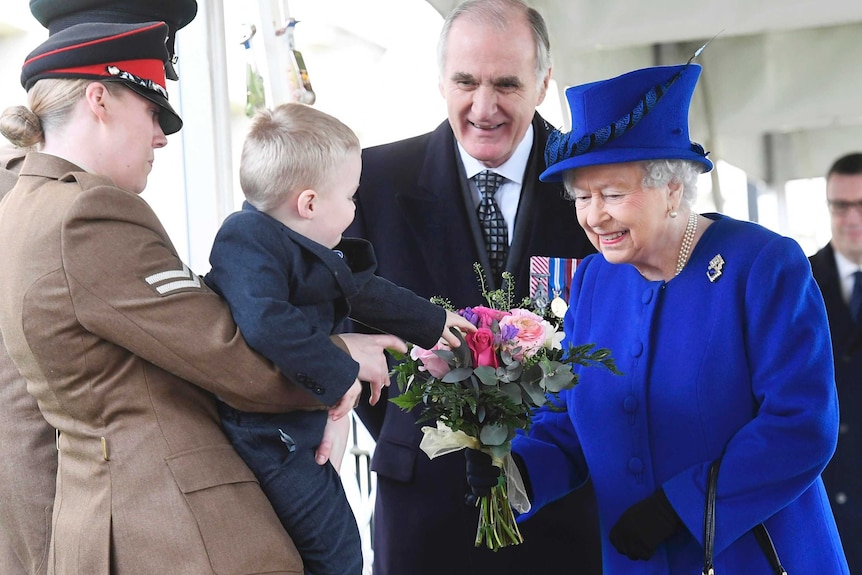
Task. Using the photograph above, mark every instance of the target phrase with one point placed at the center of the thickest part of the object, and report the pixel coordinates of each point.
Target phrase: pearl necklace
(687, 239)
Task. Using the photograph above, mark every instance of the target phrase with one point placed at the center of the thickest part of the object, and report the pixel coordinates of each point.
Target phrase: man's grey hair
(499, 13)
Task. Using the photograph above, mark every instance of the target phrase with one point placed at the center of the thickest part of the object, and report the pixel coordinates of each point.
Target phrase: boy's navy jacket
(288, 294)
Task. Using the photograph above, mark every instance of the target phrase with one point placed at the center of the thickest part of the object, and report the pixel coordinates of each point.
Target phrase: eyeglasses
(842, 207)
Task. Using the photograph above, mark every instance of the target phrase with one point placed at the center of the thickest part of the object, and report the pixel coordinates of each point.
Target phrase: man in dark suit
(838, 270)
(419, 206)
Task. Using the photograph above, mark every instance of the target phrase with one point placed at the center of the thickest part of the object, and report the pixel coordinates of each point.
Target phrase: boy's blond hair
(291, 147)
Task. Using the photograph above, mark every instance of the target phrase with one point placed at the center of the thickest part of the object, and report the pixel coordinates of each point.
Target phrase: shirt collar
(512, 169)
(846, 268)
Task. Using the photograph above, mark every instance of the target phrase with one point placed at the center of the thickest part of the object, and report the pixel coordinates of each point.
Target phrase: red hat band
(148, 74)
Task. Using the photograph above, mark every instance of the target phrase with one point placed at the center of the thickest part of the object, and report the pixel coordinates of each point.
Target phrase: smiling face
(490, 86)
(626, 222)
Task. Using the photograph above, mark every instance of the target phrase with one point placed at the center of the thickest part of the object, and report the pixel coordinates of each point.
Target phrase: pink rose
(482, 316)
(431, 362)
(530, 335)
(481, 344)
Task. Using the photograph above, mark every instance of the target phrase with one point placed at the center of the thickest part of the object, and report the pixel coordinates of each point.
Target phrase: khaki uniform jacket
(119, 342)
(29, 459)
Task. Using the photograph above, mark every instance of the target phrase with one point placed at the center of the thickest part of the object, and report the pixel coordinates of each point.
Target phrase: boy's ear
(306, 203)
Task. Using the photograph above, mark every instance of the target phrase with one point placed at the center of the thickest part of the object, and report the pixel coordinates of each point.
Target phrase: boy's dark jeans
(307, 497)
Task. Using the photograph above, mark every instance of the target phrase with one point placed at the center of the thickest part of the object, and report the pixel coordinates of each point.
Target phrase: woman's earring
(673, 213)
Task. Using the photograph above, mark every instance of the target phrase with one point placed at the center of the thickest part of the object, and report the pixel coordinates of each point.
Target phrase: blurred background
(778, 101)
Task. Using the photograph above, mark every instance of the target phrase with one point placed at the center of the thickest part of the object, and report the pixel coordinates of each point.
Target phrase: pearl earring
(673, 213)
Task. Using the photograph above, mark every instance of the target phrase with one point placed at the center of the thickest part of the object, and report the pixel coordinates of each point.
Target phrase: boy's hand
(455, 320)
(334, 442)
(347, 402)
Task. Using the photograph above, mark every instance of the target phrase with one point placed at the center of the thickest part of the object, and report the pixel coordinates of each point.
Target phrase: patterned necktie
(491, 219)
(856, 297)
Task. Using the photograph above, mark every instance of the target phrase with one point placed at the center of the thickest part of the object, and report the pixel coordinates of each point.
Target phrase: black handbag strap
(760, 532)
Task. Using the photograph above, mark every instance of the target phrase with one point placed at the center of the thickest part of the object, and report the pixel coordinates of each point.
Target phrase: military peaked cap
(57, 15)
(131, 54)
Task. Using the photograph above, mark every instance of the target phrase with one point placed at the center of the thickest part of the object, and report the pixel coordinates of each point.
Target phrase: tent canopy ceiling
(780, 91)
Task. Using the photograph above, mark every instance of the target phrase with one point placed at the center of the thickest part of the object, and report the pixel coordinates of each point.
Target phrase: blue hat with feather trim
(641, 115)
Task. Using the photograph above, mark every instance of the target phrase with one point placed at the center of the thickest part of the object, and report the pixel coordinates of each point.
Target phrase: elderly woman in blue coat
(721, 334)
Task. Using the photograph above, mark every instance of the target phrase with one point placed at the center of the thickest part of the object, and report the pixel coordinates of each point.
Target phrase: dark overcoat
(842, 475)
(414, 206)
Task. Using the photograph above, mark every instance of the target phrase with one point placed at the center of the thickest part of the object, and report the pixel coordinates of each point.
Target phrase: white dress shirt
(846, 269)
(509, 193)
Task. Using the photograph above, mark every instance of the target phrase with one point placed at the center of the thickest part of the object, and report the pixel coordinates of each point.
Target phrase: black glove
(644, 526)
(482, 475)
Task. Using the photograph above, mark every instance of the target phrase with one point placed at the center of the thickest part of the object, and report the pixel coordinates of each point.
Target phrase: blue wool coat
(741, 366)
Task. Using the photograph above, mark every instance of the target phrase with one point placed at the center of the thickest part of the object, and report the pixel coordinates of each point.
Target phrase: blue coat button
(647, 296)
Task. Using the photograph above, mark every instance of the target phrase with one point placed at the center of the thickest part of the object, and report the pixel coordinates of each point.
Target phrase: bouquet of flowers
(483, 391)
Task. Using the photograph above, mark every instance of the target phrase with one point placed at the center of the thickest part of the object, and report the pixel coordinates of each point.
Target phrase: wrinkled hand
(644, 526)
(334, 442)
(456, 321)
(482, 475)
(367, 351)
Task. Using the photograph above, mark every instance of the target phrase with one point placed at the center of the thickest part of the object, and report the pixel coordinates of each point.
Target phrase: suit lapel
(844, 331)
(442, 213)
(441, 204)
(518, 249)
(469, 206)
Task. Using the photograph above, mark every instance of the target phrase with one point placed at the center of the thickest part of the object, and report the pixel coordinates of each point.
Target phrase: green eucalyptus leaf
(513, 392)
(534, 392)
(457, 374)
(486, 374)
(533, 374)
(558, 378)
(463, 357)
(493, 434)
(513, 372)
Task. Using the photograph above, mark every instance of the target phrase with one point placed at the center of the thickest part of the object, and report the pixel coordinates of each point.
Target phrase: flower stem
(497, 527)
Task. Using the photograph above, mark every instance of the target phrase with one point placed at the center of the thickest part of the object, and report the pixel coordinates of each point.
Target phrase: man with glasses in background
(838, 270)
